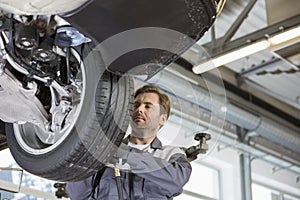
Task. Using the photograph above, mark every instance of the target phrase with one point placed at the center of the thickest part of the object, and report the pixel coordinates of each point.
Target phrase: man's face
(146, 113)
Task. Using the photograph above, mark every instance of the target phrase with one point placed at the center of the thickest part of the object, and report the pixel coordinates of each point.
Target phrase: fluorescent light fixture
(231, 56)
(285, 36)
(247, 50)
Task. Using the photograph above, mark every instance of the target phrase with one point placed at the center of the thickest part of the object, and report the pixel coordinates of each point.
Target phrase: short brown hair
(164, 99)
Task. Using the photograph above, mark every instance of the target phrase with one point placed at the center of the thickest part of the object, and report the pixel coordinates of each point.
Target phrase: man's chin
(137, 126)
(142, 134)
(138, 123)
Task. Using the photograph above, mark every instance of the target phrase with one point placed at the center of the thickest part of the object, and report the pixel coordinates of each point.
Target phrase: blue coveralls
(156, 175)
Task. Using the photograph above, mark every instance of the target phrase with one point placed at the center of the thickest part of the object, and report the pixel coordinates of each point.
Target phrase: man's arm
(170, 173)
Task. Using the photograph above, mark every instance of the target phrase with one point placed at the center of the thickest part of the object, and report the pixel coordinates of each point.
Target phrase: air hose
(119, 184)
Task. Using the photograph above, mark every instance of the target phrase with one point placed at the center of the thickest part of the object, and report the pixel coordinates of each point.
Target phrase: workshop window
(260, 192)
(263, 192)
(16, 185)
(203, 184)
(289, 197)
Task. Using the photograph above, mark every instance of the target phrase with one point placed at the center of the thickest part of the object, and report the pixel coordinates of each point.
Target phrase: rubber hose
(119, 183)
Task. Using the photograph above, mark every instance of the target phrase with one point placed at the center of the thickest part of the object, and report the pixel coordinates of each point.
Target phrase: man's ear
(163, 119)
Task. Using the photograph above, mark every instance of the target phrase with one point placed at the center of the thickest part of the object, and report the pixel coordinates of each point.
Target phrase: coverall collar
(155, 144)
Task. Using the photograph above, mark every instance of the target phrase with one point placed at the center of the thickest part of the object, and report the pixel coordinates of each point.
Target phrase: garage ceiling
(266, 82)
(271, 76)
(268, 78)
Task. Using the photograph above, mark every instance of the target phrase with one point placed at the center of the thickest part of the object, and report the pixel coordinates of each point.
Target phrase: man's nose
(140, 109)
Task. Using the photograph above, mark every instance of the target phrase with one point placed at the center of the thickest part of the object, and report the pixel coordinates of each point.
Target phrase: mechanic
(151, 171)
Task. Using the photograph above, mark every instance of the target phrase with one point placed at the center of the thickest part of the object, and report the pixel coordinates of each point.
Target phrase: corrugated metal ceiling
(269, 80)
(281, 78)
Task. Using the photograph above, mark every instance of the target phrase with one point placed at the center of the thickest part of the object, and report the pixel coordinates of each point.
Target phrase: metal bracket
(70, 37)
(8, 186)
(193, 151)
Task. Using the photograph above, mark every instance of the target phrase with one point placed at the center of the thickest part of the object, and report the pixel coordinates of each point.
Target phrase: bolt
(30, 85)
(70, 34)
(47, 125)
(43, 54)
(57, 128)
(281, 28)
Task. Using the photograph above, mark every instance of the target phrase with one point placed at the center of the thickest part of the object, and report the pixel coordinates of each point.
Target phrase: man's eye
(148, 106)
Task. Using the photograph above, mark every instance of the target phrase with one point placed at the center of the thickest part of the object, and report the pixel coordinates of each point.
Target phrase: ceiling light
(231, 56)
(285, 36)
(274, 42)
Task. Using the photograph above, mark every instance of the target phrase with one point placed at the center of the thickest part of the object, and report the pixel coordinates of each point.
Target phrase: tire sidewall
(81, 138)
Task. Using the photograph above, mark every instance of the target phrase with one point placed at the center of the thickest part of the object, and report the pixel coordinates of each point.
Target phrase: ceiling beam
(258, 68)
(285, 111)
(238, 22)
(218, 47)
